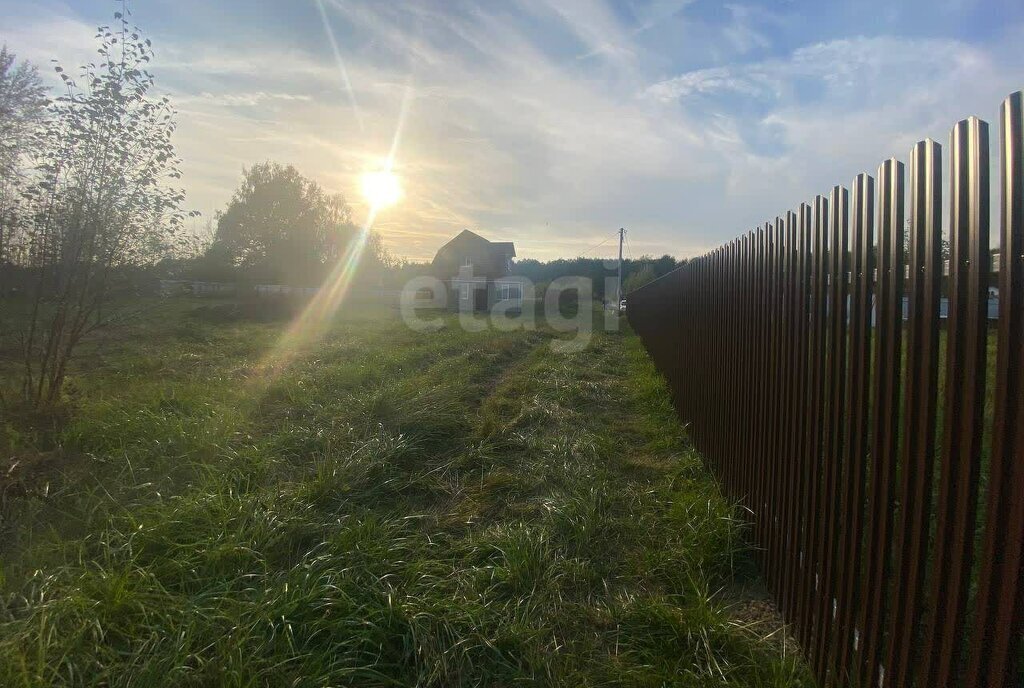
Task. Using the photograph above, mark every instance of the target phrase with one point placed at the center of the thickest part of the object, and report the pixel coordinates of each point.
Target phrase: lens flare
(381, 188)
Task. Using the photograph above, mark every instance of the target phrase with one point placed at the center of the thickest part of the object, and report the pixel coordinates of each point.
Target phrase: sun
(381, 188)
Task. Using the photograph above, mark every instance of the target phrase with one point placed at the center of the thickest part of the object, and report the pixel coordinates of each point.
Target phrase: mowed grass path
(392, 509)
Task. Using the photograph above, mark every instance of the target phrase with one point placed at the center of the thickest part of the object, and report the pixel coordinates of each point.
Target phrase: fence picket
(803, 483)
(1000, 604)
(847, 640)
(964, 401)
(839, 206)
(816, 414)
(793, 374)
(923, 290)
(760, 344)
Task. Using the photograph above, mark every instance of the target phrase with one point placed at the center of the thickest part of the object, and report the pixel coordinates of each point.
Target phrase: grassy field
(391, 508)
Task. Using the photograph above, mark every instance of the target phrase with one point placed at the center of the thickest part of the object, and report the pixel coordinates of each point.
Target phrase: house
(478, 273)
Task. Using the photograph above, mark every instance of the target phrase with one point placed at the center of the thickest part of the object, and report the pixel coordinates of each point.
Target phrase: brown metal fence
(878, 451)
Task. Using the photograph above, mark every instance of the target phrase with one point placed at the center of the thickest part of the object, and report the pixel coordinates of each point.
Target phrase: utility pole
(618, 289)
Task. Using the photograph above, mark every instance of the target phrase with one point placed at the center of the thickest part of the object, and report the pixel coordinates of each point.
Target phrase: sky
(552, 123)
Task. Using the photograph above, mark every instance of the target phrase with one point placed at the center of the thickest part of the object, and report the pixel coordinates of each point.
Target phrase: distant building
(478, 272)
(170, 287)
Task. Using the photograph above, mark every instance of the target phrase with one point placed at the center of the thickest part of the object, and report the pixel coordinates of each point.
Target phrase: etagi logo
(566, 305)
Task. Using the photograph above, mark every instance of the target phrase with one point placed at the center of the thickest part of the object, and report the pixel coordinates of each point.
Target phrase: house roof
(464, 234)
(504, 247)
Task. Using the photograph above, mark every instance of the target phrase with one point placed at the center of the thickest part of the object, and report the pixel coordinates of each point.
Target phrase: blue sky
(552, 123)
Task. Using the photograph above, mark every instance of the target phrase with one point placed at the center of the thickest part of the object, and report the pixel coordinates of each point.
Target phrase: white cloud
(248, 99)
(869, 99)
(741, 32)
(750, 81)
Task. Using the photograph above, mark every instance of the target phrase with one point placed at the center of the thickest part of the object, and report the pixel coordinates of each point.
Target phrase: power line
(583, 254)
(647, 260)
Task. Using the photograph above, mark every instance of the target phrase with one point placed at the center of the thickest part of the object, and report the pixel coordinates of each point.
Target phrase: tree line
(636, 272)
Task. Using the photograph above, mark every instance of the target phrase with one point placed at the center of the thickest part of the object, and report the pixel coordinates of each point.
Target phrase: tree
(282, 227)
(639, 278)
(100, 202)
(943, 242)
(596, 269)
(22, 105)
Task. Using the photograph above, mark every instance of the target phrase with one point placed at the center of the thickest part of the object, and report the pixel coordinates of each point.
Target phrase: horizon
(552, 124)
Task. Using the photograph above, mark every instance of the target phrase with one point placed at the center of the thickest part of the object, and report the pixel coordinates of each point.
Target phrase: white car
(622, 306)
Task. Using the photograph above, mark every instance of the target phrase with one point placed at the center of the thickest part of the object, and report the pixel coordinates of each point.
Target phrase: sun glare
(381, 189)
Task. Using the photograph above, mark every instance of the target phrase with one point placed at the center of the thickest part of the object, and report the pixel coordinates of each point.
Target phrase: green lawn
(392, 508)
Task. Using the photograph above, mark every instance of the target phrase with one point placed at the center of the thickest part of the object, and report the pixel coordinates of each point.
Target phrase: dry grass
(395, 509)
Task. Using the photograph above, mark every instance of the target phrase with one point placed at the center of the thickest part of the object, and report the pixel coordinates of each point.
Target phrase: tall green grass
(395, 508)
